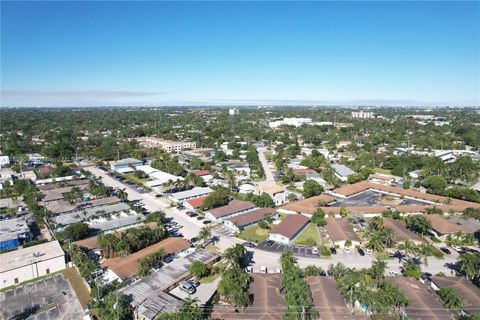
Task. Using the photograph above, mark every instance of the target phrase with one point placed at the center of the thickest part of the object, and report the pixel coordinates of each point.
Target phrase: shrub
(324, 251)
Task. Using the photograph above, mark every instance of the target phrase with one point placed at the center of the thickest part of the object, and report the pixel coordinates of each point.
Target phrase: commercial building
(125, 165)
(342, 172)
(12, 232)
(296, 122)
(340, 231)
(362, 114)
(248, 219)
(29, 263)
(180, 197)
(289, 229)
(233, 209)
(167, 145)
(233, 111)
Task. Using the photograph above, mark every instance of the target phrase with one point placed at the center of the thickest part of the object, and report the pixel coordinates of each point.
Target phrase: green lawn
(381, 170)
(309, 232)
(130, 177)
(255, 234)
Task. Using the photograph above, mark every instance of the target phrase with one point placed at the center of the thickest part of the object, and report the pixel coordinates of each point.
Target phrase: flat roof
(233, 207)
(422, 304)
(342, 170)
(55, 194)
(147, 294)
(69, 218)
(268, 302)
(125, 161)
(195, 192)
(290, 225)
(196, 202)
(468, 292)
(252, 216)
(62, 206)
(327, 300)
(442, 225)
(401, 232)
(308, 205)
(11, 202)
(129, 219)
(126, 267)
(162, 177)
(25, 256)
(341, 230)
(12, 228)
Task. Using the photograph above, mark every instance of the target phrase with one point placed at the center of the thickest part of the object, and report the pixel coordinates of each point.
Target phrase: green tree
(216, 199)
(73, 195)
(419, 224)
(311, 188)
(199, 269)
(469, 265)
(188, 310)
(204, 234)
(450, 298)
(235, 255)
(435, 184)
(74, 232)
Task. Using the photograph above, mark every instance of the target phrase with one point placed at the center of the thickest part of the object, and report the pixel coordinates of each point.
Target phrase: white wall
(33, 271)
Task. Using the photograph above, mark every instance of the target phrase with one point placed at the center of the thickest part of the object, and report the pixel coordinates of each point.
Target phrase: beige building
(29, 263)
(168, 145)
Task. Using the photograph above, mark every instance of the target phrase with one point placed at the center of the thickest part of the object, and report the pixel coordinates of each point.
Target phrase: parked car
(187, 287)
(315, 250)
(193, 240)
(200, 218)
(360, 252)
(270, 243)
(194, 283)
(263, 269)
(346, 250)
(249, 244)
(207, 222)
(392, 273)
(445, 250)
(333, 250)
(368, 251)
(458, 249)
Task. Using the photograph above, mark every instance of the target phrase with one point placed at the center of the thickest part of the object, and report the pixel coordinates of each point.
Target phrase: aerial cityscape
(240, 160)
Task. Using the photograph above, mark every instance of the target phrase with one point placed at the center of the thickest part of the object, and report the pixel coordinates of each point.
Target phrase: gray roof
(117, 223)
(12, 228)
(69, 218)
(11, 203)
(148, 296)
(342, 170)
(126, 161)
(195, 192)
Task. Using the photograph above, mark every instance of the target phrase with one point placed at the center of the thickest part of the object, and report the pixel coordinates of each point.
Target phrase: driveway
(266, 168)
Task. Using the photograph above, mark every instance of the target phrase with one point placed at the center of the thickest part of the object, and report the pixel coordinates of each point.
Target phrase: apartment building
(167, 145)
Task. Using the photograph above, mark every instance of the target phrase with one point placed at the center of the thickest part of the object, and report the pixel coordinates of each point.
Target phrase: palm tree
(424, 250)
(204, 234)
(469, 264)
(235, 255)
(287, 259)
(378, 269)
(122, 194)
(388, 237)
(408, 246)
(376, 241)
(230, 177)
(450, 298)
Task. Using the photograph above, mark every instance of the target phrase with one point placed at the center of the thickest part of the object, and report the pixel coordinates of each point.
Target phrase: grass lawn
(130, 177)
(78, 286)
(209, 278)
(381, 170)
(309, 232)
(255, 234)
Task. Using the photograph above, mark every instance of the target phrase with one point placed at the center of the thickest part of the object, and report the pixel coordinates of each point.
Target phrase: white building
(289, 229)
(196, 192)
(342, 172)
(362, 114)
(167, 145)
(296, 122)
(29, 263)
(233, 111)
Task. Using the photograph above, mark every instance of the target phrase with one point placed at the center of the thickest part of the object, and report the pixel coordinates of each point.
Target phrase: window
(16, 280)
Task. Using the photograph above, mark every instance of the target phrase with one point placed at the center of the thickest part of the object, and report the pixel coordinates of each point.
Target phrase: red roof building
(201, 173)
(195, 203)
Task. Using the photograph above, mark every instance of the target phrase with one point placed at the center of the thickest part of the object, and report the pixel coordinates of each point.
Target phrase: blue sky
(214, 53)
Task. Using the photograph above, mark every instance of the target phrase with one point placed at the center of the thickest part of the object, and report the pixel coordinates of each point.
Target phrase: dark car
(207, 222)
(249, 244)
(361, 252)
(200, 218)
(333, 250)
(270, 243)
(445, 250)
(194, 283)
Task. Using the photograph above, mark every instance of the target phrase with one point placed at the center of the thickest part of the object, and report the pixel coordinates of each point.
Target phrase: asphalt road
(266, 168)
(259, 257)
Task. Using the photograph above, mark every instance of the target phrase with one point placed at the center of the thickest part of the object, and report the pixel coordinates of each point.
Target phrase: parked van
(187, 287)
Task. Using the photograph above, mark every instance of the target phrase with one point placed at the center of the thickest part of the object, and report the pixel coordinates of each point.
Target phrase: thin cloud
(79, 94)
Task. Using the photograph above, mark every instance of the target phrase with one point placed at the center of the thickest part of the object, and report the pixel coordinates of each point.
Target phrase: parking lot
(279, 247)
(222, 230)
(53, 294)
(127, 183)
(371, 198)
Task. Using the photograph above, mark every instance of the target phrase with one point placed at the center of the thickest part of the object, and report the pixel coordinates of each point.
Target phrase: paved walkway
(266, 168)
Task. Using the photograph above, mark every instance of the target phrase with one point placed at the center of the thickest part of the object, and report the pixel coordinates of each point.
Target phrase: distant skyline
(240, 53)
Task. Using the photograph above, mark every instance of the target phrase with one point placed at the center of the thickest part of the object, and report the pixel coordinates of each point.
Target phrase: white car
(263, 269)
(315, 250)
(457, 248)
(392, 273)
(346, 250)
(368, 251)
